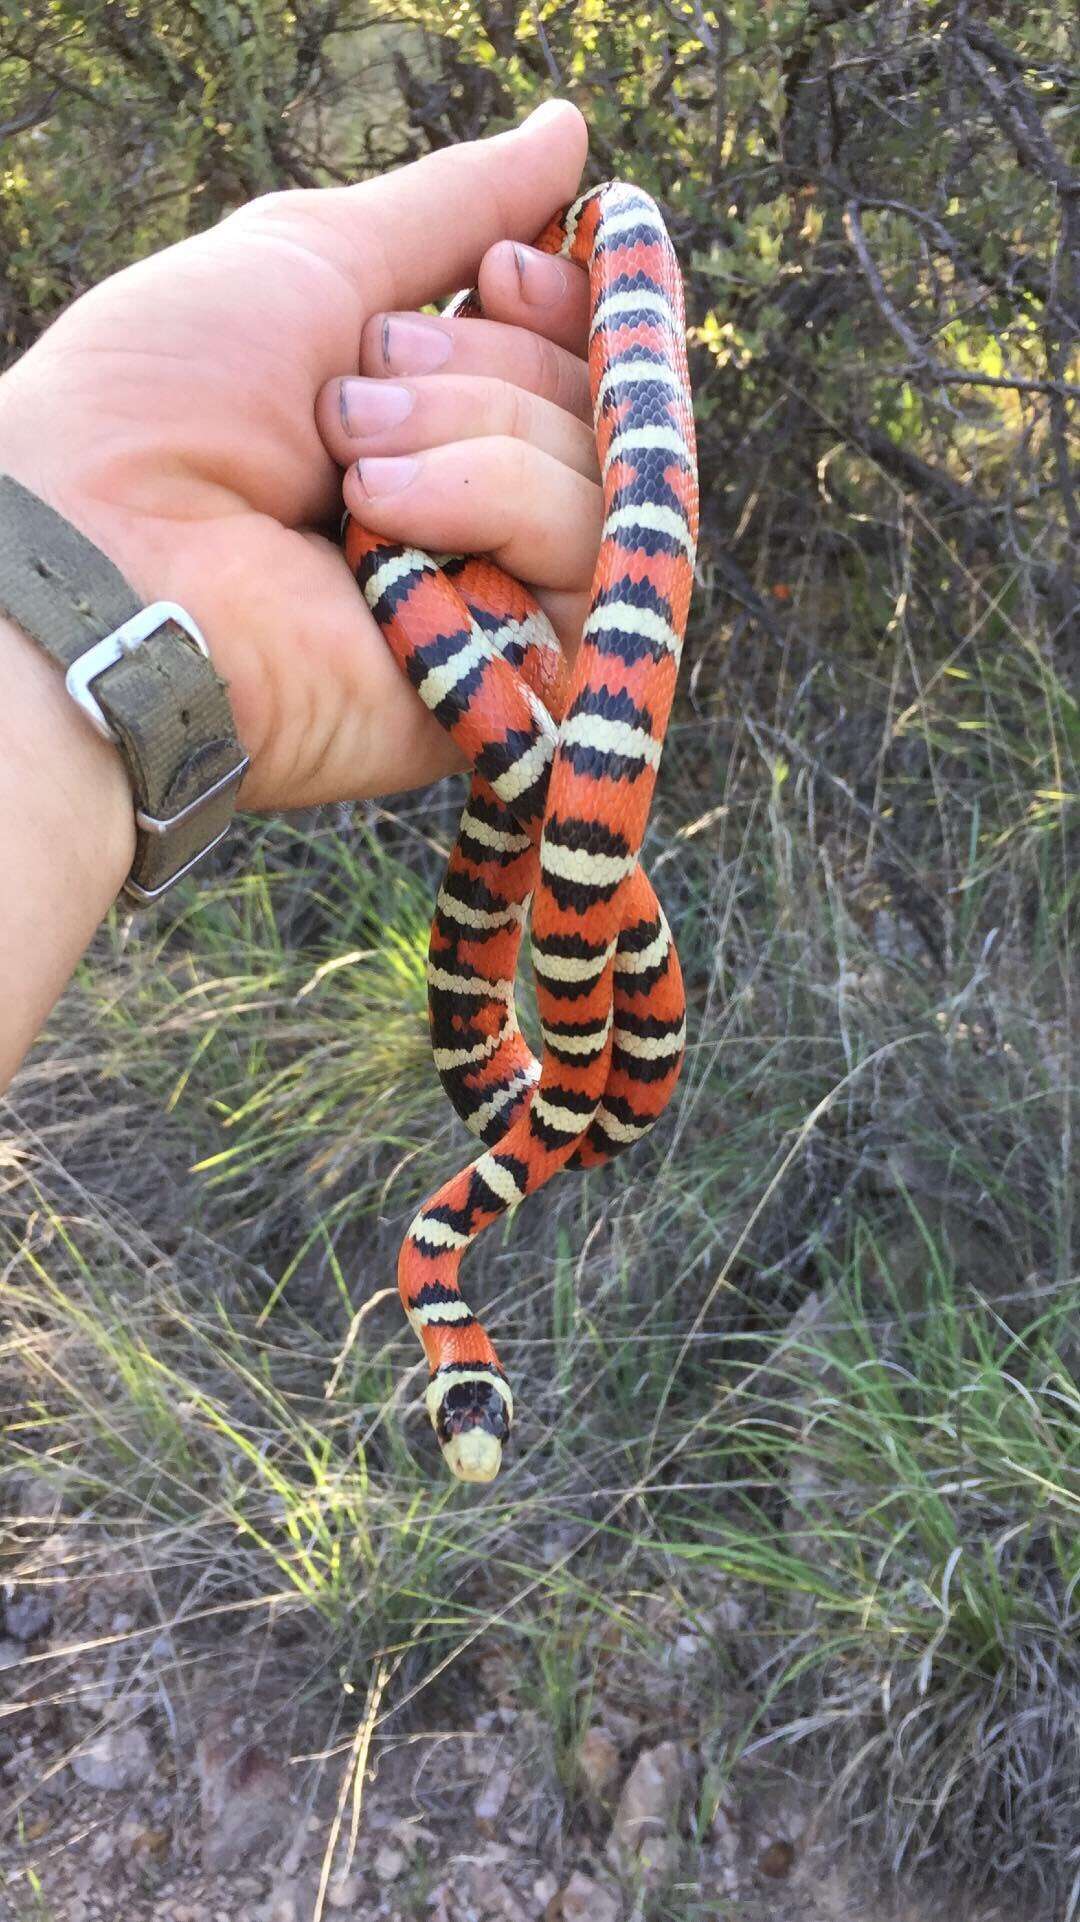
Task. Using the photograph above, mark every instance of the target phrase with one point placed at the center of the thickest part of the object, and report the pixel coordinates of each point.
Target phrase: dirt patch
(168, 1774)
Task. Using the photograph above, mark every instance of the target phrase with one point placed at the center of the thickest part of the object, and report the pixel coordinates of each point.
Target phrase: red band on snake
(564, 765)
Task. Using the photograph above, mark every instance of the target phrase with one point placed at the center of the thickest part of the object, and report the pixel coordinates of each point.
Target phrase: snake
(563, 760)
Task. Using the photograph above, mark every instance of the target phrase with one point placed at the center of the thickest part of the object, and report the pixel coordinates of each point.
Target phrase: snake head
(472, 1418)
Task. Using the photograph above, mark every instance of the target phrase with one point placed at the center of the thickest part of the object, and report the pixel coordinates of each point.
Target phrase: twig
(1015, 383)
(854, 230)
(1018, 117)
(1019, 269)
(30, 116)
(922, 362)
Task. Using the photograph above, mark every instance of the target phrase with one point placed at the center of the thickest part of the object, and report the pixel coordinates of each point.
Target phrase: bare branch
(1018, 117)
(1020, 269)
(32, 115)
(922, 361)
(854, 230)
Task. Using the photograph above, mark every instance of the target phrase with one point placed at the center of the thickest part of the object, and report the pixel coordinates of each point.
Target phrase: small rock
(389, 1863)
(598, 1761)
(650, 1799)
(729, 1614)
(498, 1677)
(624, 1727)
(489, 1803)
(281, 1904)
(119, 1758)
(102, 1848)
(557, 1542)
(725, 1838)
(495, 1900)
(39, 1499)
(584, 1900)
(344, 1892)
(411, 1833)
(244, 1796)
(658, 1856)
(28, 1613)
(776, 1860)
(685, 1650)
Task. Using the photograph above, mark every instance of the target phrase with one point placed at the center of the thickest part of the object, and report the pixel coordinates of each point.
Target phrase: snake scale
(564, 764)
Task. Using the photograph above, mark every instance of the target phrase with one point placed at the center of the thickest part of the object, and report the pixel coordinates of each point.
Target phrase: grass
(212, 1161)
(928, 1568)
(811, 1348)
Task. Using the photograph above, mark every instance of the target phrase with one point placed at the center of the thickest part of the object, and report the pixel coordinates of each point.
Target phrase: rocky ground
(192, 1772)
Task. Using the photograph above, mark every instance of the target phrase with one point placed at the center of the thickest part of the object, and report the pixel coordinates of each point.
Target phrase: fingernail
(413, 345)
(371, 406)
(540, 277)
(386, 474)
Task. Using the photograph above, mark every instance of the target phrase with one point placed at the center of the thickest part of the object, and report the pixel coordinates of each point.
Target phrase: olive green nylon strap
(167, 708)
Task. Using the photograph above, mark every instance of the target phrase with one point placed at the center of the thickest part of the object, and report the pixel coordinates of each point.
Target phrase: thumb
(420, 232)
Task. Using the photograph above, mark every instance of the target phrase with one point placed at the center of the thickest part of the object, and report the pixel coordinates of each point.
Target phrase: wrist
(69, 786)
(67, 833)
(142, 675)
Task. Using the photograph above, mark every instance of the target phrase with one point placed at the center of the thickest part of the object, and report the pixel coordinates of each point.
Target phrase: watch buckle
(105, 653)
(163, 824)
(80, 679)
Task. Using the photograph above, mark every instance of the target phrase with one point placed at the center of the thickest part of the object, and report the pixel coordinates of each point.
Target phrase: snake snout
(472, 1423)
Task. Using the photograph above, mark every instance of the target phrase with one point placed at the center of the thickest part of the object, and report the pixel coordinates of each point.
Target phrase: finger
(398, 344)
(521, 286)
(420, 232)
(566, 609)
(536, 517)
(357, 416)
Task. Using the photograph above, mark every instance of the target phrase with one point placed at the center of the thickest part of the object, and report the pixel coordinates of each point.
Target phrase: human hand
(170, 413)
(476, 436)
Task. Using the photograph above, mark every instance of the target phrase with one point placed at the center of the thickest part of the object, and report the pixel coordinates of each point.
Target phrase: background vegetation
(815, 1345)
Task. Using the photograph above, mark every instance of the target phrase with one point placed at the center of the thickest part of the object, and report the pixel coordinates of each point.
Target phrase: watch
(142, 676)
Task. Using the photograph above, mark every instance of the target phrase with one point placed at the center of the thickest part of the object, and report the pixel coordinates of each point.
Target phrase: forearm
(67, 836)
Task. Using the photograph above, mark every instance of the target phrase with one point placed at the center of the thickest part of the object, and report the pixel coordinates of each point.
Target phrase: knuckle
(278, 202)
(517, 412)
(547, 367)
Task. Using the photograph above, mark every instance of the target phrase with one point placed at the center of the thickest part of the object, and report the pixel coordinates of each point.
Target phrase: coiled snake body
(564, 764)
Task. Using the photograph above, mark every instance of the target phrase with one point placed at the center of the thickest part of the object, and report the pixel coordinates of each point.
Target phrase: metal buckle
(153, 824)
(164, 824)
(123, 640)
(80, 678)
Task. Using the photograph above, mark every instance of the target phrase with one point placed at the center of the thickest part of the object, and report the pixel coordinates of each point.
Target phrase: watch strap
(156, 693)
